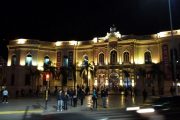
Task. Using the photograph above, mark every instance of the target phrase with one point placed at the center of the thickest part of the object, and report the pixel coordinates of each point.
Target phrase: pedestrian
(126, 93)
(74, 98)
(65, 100)
(87, 90)
(5, 96)
(94, 98)
(144, 95)
(71, 96)
(81, 95)
(60, 101)
(103, 97)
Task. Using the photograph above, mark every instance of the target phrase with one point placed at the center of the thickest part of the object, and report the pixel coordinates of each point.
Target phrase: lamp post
(75, 43)
(47, 87)
(172, 46)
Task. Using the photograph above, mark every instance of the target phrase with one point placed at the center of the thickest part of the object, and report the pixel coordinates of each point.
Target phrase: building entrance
(114, 81)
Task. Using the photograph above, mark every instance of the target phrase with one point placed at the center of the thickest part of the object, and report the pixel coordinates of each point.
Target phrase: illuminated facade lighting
(58, 43)
(21, 41)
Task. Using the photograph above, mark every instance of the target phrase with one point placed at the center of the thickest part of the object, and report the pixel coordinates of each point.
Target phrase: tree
(142, 75)
(64, 73)
(49, 68)
(157, 74)
(84, 72)
(35, 75)
(73, 69)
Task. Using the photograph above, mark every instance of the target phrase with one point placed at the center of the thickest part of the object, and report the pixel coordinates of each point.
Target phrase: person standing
(94, 98)
(5, 96)
(145, 94)
(60, 101)
(75, 98)
(81, 95)
(103, 97)
(65, 100)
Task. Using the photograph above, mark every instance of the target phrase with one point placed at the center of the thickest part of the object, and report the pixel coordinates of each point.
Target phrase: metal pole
(172, 46)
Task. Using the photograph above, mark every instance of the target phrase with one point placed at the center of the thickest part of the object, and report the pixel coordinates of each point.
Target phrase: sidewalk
(37, 105)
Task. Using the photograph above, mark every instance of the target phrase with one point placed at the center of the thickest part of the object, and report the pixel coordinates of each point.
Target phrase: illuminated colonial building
(117, 60)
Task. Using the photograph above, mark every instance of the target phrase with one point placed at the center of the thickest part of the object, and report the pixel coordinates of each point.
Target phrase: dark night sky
(83, 19)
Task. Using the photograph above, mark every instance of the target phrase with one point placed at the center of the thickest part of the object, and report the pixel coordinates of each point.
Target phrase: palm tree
(157, 74)
(49, 68)
(140, 83)
(73, 69)
(64, 73)
(34, 76)
(84, 72)
(142, 75)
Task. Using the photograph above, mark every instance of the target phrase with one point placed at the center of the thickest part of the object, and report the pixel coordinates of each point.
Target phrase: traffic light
(47, 77)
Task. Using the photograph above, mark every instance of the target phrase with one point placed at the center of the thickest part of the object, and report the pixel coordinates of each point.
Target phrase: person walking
(5, 96)
(94, 98)
(60, 101)
(103, 97)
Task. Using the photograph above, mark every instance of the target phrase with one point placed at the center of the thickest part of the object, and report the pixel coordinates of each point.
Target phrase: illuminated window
(65, 61)
(14, 60)
(29, 60)
(113, 59)
(126, 57)
(147, 57)
(46, 60)
(101, 59)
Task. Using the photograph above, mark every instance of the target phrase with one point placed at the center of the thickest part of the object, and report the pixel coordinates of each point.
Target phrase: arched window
(126, 57)
(28, 60)
(14, 60)
(113, 59)
(147, 57)
(46, 60)
(101, 59)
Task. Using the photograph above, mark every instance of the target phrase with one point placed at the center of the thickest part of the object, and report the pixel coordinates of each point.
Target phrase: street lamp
(75, 43)
(47, 87)
(172, 46)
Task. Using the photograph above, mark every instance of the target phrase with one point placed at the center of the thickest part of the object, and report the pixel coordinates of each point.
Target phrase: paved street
(33, 109)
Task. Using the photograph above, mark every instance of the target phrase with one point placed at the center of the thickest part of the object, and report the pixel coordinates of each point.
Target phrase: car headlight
(146, 110)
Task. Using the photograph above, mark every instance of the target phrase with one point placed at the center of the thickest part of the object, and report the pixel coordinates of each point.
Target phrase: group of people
(104, 95)
(79, 94)
(64, 96)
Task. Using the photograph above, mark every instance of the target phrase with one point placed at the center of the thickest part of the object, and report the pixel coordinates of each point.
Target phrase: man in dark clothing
(81, 96)
(87, 90)
(104, 94)
(65, 99)
(144, 95)
(60, 100)
(74, 98)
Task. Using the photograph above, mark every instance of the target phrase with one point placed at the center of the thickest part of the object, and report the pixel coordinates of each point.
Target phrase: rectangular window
(65, 61)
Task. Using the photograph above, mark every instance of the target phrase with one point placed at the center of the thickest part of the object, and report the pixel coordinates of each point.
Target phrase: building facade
(115, 61)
